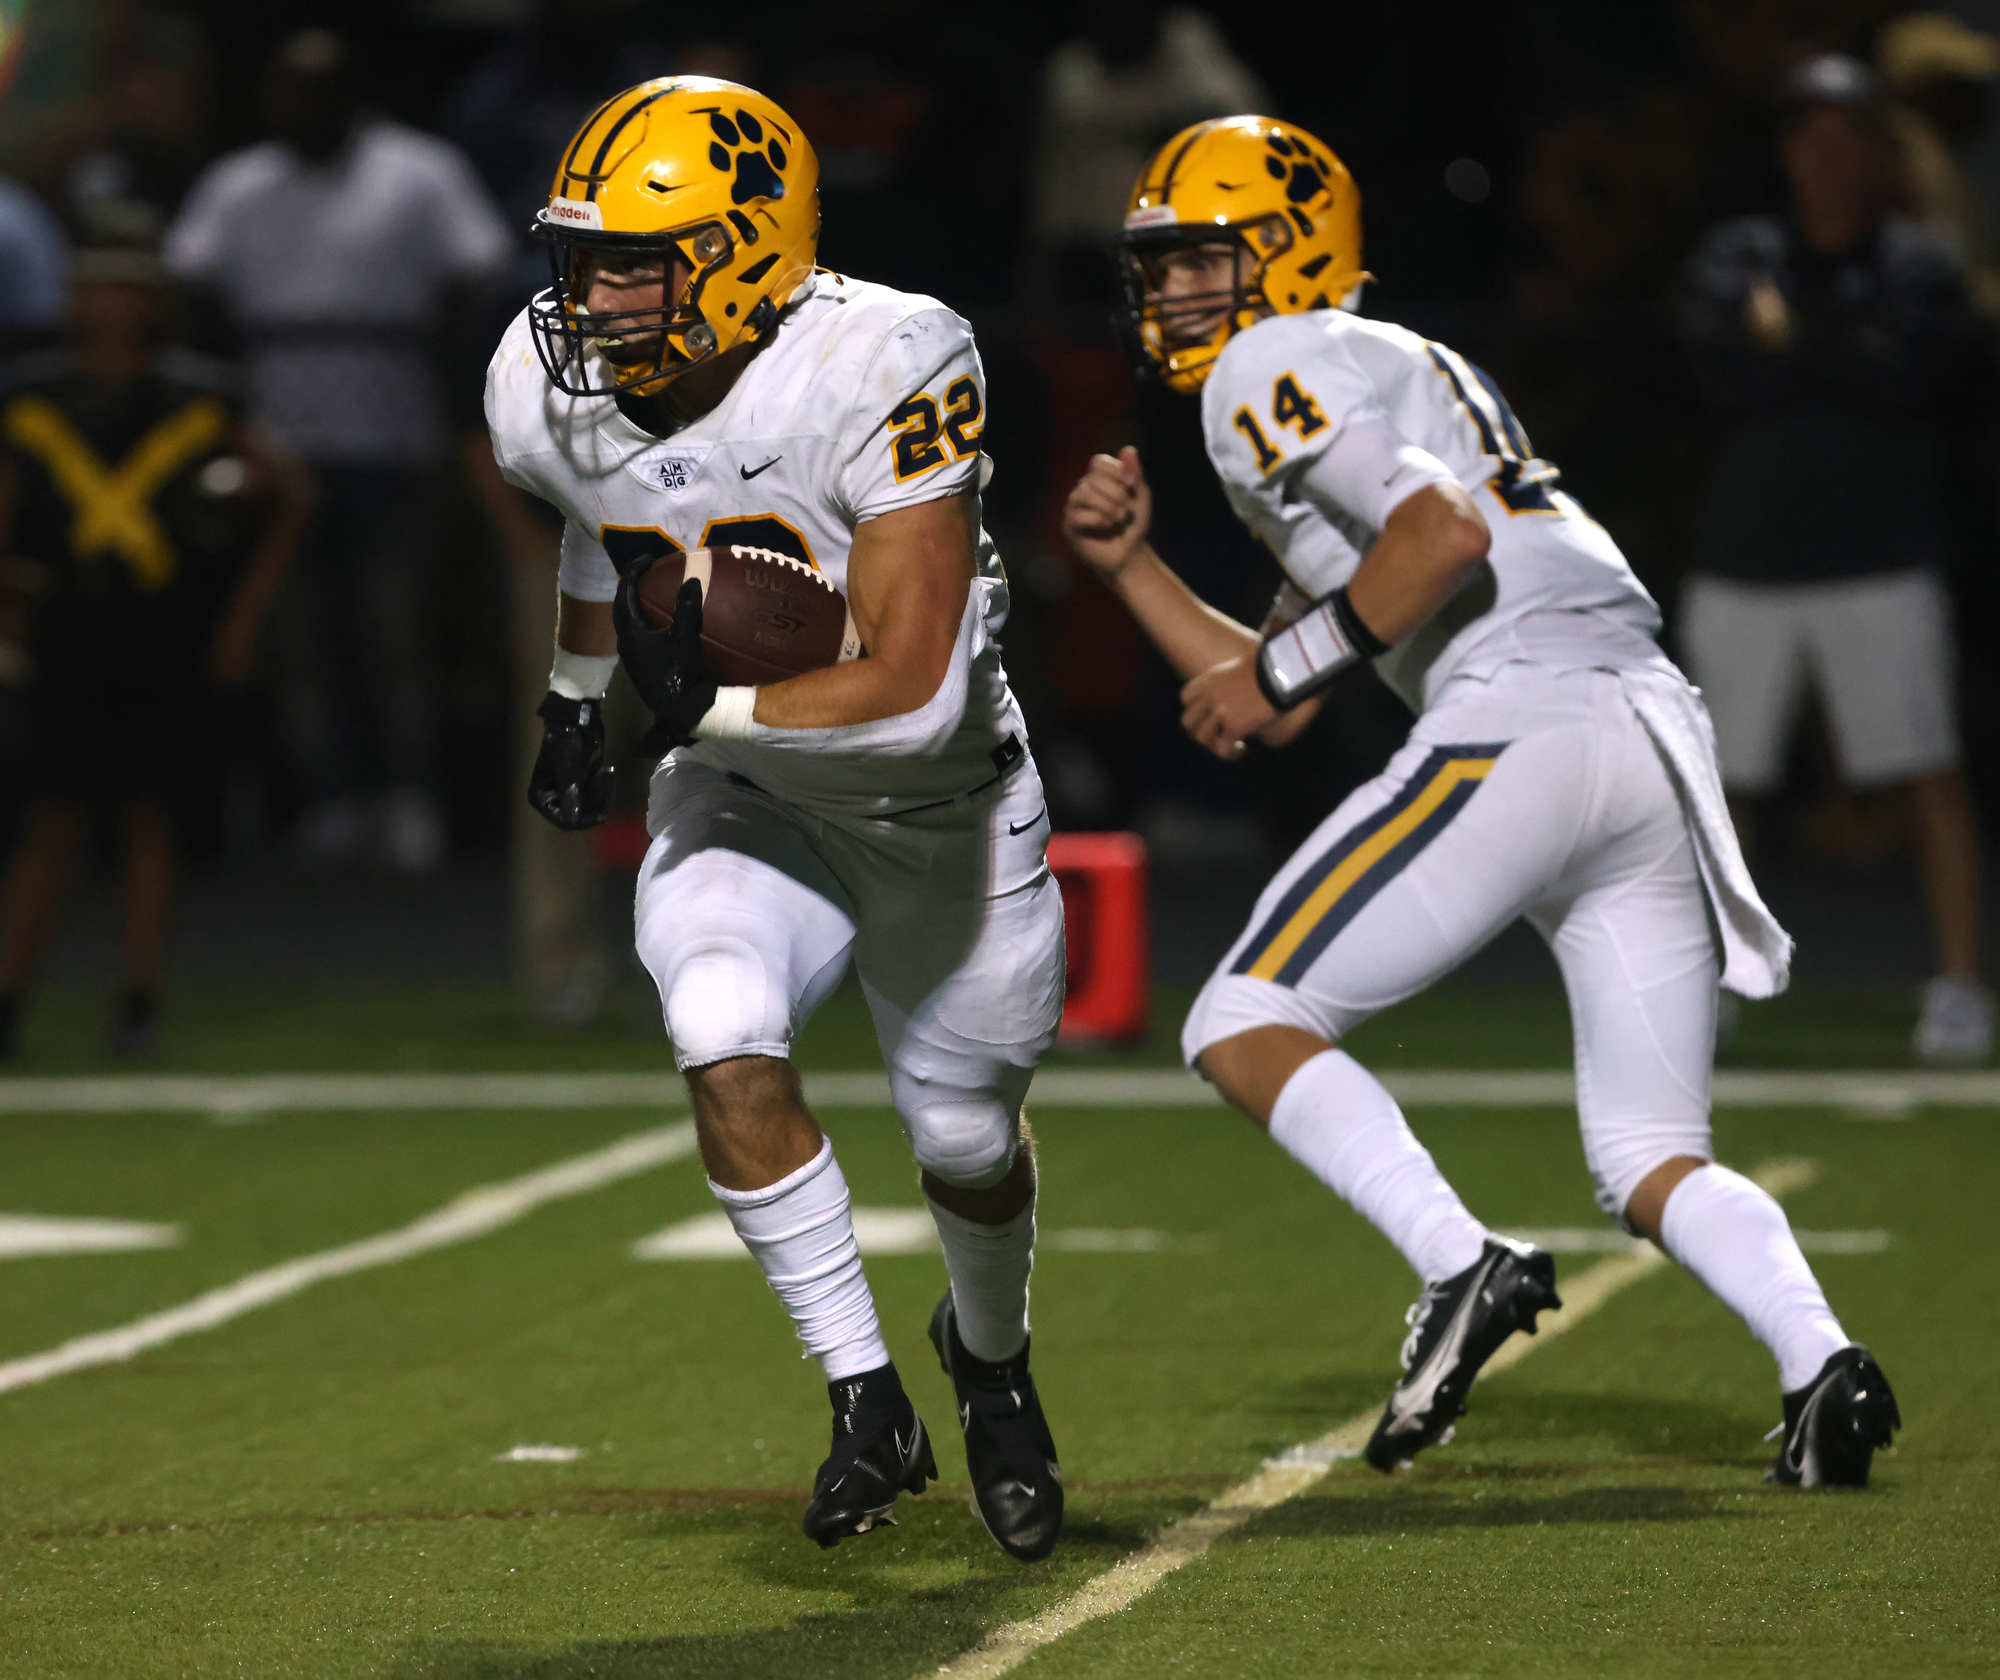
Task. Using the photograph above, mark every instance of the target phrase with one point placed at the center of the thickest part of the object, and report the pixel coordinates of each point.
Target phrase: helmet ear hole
(1271, 235)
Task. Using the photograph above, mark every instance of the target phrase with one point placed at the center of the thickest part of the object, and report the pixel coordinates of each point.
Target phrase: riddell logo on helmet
(576, 212)
(1153, 215)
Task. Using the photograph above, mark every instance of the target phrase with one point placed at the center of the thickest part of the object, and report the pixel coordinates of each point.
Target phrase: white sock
(989, 1266)
(802, 1234)
(1335, 1119)
(1736, 1239)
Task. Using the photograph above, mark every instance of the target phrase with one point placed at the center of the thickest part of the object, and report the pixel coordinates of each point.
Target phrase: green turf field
(319, 1487)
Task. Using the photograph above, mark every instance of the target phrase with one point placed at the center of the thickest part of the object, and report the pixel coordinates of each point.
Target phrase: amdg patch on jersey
(672, 469)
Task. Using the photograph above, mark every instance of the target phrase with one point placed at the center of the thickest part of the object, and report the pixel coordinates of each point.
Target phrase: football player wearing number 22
(1560, 768)
(692, 380)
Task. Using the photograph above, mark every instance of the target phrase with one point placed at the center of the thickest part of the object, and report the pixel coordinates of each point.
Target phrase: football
(764, 615)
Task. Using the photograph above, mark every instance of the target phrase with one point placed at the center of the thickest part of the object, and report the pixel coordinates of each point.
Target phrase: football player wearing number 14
(692, 381)
(1559, 769)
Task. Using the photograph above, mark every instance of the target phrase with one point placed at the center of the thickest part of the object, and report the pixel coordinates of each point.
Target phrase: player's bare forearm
(1106, 519)
(908, 576)
(1429, 543)
(1191, 635)
(585, 627)
(1432, 539)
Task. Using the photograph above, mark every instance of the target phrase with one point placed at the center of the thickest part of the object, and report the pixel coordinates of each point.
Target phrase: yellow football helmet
(1267, 187)
(689, 167)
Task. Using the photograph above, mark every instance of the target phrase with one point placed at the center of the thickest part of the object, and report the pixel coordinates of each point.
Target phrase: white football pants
(749, 909)
(1536, 793)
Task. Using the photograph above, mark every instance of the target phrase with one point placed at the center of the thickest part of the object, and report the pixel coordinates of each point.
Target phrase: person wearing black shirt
(163, 526)
(1833, 346)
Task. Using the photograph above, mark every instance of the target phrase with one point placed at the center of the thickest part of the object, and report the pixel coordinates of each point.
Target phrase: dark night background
(1533, 176)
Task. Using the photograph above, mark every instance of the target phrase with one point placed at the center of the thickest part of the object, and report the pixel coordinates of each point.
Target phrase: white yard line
(252, 1096)
(25, 1236)
(880, 1231)
(480, 1211)
(1888, 1094)
(1293, 1471)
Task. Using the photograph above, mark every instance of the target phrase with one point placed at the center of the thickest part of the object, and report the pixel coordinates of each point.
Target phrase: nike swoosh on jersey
(751, 472)
(1030, 823)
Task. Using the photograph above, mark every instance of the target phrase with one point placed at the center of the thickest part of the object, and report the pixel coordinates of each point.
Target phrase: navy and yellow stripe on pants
(1332, 891)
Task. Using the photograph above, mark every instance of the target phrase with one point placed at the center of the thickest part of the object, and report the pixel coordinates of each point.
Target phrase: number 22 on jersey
(918, 425)
(1290, 406)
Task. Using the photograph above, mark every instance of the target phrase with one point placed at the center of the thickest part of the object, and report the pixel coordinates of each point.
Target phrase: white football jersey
(1320, 423)
(868, 400)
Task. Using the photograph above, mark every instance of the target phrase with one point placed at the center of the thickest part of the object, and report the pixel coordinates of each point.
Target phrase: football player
(691, 380)
(1560, 769)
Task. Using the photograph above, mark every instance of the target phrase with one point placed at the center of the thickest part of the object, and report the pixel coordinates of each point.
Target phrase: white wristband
(581, 676)
(733, 717)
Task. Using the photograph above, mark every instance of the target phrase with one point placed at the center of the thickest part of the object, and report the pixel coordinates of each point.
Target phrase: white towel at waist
(1756, 951)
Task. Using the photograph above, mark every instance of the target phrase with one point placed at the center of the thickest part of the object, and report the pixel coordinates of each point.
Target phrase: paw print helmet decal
(1273, 192)
(705, 181)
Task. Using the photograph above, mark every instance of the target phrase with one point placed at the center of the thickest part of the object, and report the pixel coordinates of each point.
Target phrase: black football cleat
(1835, 1423)
(1455, 1327)
(879, 1450)
(1016, 1482)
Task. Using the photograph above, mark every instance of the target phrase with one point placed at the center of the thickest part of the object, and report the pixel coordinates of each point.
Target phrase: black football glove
(571, 783)
(665, 666)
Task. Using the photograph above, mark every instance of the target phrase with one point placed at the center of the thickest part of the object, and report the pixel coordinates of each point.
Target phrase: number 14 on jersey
(1290, 407)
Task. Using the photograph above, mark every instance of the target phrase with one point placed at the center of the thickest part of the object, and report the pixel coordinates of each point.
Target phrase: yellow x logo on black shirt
(113, 507)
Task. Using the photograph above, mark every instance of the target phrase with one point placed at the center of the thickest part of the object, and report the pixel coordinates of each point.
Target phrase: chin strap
(1301, 659)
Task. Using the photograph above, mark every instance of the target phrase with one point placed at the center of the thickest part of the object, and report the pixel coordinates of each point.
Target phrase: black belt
(1006, 758)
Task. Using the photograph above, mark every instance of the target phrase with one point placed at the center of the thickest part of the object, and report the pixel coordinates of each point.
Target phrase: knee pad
(720, 1000)
(740, 953)
(966, 1141)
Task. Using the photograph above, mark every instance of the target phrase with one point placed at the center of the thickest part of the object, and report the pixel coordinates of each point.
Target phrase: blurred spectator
(162, 525)
(340, 248)
(1942, 75)
(513, 116)
(1112, 96)
(1133, 74)
(140, 144)
(1612, 192)
(522, 104)
(1831, 345)
(561, 955)
(31, 268)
